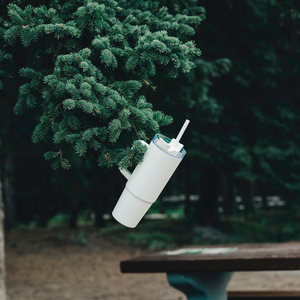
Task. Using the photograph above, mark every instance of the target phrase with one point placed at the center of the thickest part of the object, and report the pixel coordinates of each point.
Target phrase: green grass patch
(151, 234)
(277, 225)
(58, 220)
(262, 227)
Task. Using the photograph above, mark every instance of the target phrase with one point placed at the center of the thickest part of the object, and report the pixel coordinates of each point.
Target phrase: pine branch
(95, 60)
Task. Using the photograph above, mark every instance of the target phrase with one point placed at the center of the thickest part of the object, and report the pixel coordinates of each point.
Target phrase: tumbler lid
(163, 143)
(171, 147)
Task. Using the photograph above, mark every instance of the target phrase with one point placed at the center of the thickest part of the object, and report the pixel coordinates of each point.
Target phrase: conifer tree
(86, 68)
(256, 136)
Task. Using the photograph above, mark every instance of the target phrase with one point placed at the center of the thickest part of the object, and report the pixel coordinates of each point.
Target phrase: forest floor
(64, 264)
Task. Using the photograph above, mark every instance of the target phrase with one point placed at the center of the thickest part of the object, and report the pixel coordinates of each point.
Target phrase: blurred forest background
(241, 172)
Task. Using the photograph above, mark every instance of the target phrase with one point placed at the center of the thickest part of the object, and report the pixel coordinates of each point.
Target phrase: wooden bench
(263, 295)
(203, 272)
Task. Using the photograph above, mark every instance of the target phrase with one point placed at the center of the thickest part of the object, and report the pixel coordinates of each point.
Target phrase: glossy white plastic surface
(147, 181)
(129, 209)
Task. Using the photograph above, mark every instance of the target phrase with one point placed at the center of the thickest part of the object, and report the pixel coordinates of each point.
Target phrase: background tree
(90, 62)
(255, 137)
(84, 66)
(241, 100)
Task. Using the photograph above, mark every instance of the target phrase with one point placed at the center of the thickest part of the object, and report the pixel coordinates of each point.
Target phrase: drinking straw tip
(185, 125)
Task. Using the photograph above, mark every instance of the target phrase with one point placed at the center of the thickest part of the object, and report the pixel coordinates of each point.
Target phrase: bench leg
(202, 285)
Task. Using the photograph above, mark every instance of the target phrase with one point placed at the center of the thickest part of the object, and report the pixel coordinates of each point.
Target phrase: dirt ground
(44, 265)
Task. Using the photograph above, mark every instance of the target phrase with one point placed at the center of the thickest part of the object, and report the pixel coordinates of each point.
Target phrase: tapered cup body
(147, 181)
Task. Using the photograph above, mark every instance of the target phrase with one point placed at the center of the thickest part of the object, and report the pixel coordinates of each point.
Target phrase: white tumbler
(148, 179)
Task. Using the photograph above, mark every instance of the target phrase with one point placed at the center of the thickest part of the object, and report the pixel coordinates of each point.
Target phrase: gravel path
(44, 265)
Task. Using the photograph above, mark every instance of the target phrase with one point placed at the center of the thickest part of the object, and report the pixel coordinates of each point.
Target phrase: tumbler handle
(125, 172)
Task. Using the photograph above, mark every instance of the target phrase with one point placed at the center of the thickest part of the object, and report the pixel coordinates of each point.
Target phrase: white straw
(181, 132)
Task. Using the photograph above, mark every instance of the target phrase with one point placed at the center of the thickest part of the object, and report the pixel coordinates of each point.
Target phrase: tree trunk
(8, 191)
(100, 205)
(206, 212)
(110, 185)
(76, 191)
(2, 251)
(263, 193)
(187, 191)
(248, 196)
(228, 195)
(75, 195)
(227, 191)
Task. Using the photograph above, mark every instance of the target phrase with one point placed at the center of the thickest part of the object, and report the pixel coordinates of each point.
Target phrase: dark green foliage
(5, 58)
(89, 64)
(247, 123)
(260, 99)
(242, 100)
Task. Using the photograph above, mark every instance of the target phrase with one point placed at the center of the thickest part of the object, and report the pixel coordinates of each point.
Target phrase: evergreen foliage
(92, 74)
(88, 65)
(256, 135)
(243, 137)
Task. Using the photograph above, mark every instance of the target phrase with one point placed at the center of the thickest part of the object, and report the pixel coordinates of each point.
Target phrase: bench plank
(246, 257)
(191, 268)
(264, 295)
